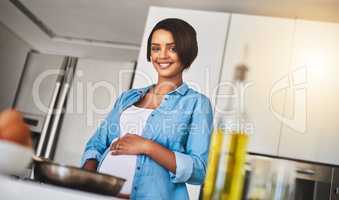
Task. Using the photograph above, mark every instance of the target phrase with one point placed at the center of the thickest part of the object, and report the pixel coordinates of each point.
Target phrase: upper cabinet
(291, 91)
(263, 44)
(311, 129)
(211, 28)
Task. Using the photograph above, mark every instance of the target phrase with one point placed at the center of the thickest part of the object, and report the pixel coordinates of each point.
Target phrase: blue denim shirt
(182, 123)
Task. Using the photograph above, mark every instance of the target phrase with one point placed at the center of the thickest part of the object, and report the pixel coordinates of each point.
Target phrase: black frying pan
(72, 177)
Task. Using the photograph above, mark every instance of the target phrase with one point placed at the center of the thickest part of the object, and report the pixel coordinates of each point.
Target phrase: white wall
(13, 53)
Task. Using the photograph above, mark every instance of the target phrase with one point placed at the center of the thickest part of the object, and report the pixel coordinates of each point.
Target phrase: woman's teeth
(164, 65)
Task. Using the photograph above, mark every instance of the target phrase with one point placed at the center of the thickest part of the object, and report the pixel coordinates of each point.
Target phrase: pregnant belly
(121, 166)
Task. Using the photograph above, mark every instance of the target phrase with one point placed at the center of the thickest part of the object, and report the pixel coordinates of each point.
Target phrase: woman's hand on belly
(129, 144)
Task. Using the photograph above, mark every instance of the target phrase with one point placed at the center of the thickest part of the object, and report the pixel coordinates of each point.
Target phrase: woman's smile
(164, 65)
(164, 55)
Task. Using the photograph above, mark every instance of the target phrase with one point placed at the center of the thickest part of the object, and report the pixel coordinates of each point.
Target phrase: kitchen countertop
(11, 188)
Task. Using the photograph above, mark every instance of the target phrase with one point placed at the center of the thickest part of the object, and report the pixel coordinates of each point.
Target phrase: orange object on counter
(14, 129)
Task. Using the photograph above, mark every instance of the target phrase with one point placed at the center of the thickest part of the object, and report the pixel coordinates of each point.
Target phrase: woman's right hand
(123, 196)
(90, 165)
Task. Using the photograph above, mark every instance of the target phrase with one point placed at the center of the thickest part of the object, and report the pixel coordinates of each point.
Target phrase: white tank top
(132, 120)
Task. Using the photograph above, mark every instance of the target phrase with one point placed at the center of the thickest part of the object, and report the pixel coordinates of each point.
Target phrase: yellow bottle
(227, 156)
(213, 162)
(234, 164)
(226, 166)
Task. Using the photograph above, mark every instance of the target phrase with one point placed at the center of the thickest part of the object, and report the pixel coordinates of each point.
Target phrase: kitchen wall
(13, 53)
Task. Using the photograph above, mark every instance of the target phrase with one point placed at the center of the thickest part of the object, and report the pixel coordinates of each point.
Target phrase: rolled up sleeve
(90, 154)
(98, 143)
(100, 140)
(191, 165)
(184, 168)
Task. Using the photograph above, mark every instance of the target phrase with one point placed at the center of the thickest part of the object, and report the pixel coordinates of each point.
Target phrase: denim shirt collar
(182, 89)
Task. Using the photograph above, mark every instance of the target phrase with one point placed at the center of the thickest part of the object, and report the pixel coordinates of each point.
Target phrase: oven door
(313, 182)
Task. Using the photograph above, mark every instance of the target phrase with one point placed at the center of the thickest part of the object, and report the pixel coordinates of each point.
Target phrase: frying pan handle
(40, 159)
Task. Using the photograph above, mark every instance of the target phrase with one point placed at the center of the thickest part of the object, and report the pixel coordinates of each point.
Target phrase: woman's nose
(163, 53)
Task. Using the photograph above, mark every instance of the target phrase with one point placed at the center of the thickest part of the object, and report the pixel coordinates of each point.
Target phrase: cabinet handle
(306, 172)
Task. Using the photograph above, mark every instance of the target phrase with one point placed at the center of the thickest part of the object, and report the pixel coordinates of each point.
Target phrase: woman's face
(164, 56)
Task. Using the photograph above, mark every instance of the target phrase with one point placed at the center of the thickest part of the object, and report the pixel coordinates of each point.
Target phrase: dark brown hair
(184, 36)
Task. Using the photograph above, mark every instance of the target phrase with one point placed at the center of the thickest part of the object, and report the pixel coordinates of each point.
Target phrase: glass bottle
(226, 164)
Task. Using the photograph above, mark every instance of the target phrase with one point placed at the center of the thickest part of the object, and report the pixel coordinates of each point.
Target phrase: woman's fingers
(126, 138)
(124, 148)
(118, 147)
(122, 144)
(113, 145)
(115, 152)
(125, 145)
(119, 151)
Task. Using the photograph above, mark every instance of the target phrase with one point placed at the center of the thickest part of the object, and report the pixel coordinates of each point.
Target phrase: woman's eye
(155, 49)
(173, 49)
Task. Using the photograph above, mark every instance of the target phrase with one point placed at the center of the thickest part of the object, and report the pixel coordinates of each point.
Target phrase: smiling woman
(180, 37)
(160, 133)
(164, 54)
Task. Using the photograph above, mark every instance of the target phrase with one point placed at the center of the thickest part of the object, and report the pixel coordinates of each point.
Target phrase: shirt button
(138, 168)
(135, 188)
(152, 114)
(166, 98)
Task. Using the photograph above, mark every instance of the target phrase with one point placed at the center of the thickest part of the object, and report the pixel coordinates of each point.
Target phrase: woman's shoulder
(126, 94)
(131, 93)
(199, 101)
(199, 96)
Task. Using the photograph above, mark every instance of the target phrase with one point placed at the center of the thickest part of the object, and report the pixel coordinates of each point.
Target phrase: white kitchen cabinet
(211, 28)
(311, 128)
(203, 75)
(263, 44)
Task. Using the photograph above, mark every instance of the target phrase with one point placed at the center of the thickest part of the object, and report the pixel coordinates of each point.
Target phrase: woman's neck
(165, 86)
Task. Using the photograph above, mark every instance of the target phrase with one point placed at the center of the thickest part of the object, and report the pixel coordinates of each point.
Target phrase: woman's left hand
(130, 144)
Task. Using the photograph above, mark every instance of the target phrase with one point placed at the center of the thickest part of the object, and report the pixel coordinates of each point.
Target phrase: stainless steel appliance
(42, 92)
(314, 181)
(63, 98)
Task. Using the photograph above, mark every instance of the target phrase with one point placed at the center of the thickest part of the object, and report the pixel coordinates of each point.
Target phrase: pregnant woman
(157, 137)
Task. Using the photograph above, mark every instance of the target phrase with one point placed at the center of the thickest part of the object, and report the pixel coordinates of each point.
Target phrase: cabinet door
(211, 28)
(311, 131)
(263, 44)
